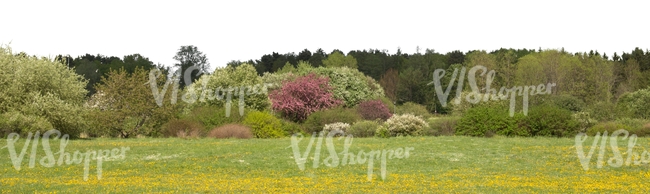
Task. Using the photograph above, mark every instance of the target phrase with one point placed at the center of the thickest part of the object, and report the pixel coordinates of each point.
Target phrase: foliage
(550, 120)
(338, 59)
(414, 109)
(238, 85)
(291, 127)
(635, 104)
(382, 131)
(40, 91)
(212, 116)
(388, 82)
(441, 126)
(349, 85)
(609, 126)
(264, 125)
(190, 59)
(317, 120)
(231, 131)
(338, 126)
(602, 111)
(405, 125)
(480, 120)
(16, 122)
(373, 110)
(568, 102)
(584, 120)
(303, 96)
(363, 128)
(124, 107)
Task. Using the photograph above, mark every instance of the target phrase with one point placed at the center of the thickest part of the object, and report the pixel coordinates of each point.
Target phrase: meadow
(445, 164)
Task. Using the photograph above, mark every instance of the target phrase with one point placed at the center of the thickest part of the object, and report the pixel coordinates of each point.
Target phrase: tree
(39, 94)
(337, 59)
(304, 55)
(389, 82)
(303, 96)
(124, 107)
(188, 57)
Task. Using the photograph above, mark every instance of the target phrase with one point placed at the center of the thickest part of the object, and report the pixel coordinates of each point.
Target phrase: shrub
(373, 110)
(549, 120)
(441, 126)
(42, 90)
(602, 111)
(363, 129)
(291, 127)
(303, 96)
(382, 131)
(231, 131)
(317, 120)
(338, 126)
(584, 120)
(568, 102)
(349, 85)
(264, 125)
(483, 119)
(389, 104)
(22, 124)
(414, 109)
(405, 125)
(610, 127)
(635, 104)
(182, 128)
(213, 116)
(238, 82)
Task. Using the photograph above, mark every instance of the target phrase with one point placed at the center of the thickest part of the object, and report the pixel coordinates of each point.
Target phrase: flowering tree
(303, 96)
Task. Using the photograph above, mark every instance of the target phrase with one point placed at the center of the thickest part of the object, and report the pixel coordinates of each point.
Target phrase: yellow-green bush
(264, 125)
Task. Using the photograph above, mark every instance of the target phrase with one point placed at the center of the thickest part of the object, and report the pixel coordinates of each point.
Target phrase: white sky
(242, 30)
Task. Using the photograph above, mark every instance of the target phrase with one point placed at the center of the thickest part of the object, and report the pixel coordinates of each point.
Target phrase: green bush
(363, 129)
(317, 120)
(213, 116)
(291, 127)
(264, 125)
(610, 127)
(550, 120)
(382, 131)
(414, 109)
(43, 91)
(568, 102)
(405, 125)
(15, 122)
(480, 120)
(441, 126)
(635, 104)
(244, 82)
(602, 111)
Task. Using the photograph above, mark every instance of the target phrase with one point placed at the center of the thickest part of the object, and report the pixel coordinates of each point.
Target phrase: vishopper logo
(191, 96)
(617, 160)
(64, 157)
(490, 93)
(344, 157)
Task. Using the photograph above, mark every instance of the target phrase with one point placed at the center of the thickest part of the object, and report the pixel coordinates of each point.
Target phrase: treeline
(405, 77)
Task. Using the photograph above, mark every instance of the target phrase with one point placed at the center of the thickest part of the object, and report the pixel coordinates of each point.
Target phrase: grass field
(436, 164)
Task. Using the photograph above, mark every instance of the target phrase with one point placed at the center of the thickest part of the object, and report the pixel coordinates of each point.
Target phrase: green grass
(436, 164)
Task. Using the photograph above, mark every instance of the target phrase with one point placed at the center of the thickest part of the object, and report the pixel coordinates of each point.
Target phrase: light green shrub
(264, 125)
(363, 128)
(405, 125)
